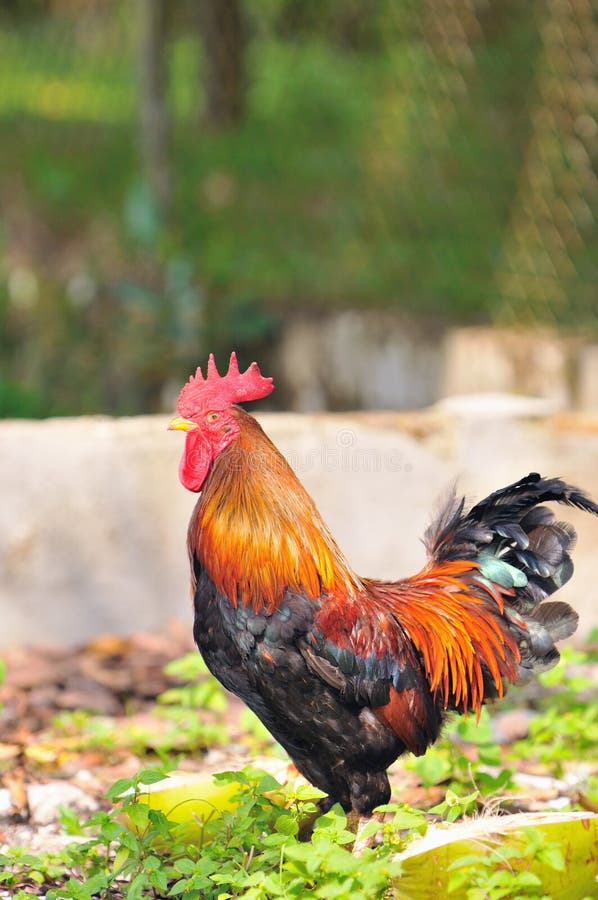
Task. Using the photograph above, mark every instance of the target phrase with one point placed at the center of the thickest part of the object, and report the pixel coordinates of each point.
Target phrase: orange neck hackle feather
(257, 531)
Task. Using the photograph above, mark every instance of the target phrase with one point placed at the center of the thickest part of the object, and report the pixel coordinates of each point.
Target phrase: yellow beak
(180, 424)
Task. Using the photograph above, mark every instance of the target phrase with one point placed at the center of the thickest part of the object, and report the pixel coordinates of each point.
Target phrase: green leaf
(139, 815)
(159, 880)
(528, 879)
(128, 839)
(70, 820)
(119, 788)
(137, 887)
(185, 866)
(151, 776)
(160, 822)
(275, 840)
(307, 792)
(286, 824)
(553, 857)
(457, 880)
(433, 768)
(409, 820)
(268, 783)
(121, 857)
(96, 883)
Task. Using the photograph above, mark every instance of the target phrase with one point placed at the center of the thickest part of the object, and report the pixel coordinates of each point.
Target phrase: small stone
(5, 803)
(45, 800)
(511, 726)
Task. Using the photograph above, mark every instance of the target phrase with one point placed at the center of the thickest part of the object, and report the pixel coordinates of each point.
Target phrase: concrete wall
(380, 360)
(359, 360)
(93, 518)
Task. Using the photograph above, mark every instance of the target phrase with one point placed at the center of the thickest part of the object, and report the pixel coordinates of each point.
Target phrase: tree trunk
(155, 121)
(223, 35)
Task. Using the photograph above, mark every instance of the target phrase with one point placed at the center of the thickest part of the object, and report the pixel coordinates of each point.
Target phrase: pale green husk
(427, 860)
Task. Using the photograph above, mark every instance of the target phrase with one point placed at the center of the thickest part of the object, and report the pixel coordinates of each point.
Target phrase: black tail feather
(558, 618)
(509, 530)
(519, 498)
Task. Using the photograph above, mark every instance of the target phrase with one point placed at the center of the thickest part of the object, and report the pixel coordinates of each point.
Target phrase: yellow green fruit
(194, 802)
(427, 861)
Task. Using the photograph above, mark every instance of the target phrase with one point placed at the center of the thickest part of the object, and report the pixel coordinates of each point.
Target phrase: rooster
(346, 672)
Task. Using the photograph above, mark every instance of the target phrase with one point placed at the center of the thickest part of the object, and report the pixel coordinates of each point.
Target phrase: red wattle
(195, 462)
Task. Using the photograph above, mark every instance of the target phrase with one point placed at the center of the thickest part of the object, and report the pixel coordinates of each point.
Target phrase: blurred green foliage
(383, 162)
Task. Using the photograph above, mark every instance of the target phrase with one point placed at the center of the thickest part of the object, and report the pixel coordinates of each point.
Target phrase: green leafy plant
(182, 708)
(256, 852)
(455, 806)
(271, 842)
(566, 724)
(480, 767)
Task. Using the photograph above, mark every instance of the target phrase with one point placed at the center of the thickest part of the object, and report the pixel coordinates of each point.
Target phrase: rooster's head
(207, 414)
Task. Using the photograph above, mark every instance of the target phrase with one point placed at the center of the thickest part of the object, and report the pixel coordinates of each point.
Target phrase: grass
(255, 847)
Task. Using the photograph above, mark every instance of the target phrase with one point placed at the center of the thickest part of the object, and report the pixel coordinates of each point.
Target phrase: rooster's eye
(212, 417)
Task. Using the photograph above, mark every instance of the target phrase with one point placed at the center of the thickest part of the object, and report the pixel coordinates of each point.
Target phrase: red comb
(201, 394)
